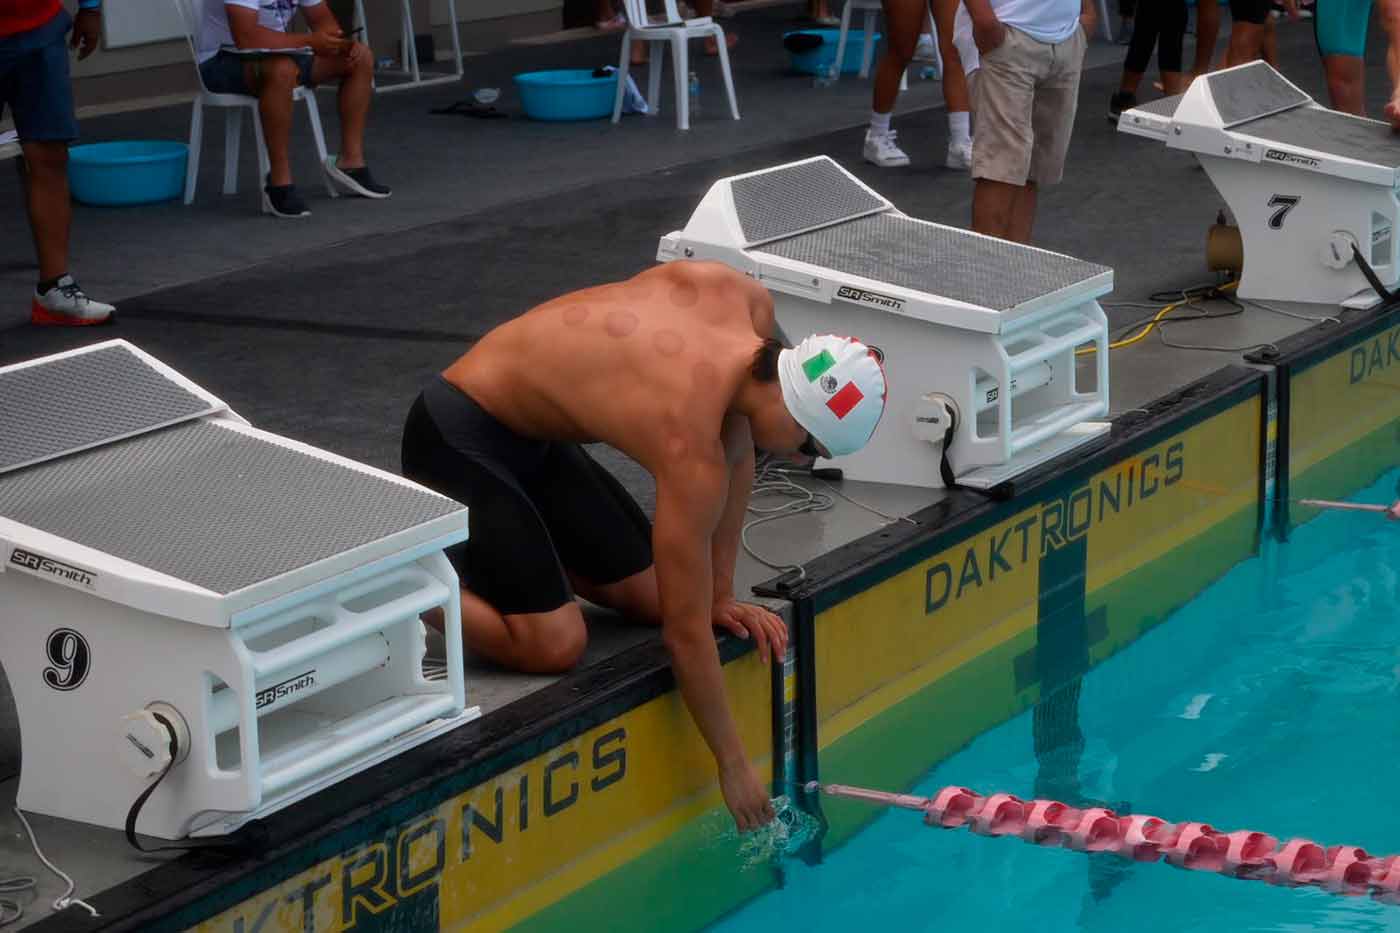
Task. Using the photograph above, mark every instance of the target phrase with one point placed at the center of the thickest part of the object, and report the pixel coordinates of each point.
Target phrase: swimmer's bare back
(649, 365)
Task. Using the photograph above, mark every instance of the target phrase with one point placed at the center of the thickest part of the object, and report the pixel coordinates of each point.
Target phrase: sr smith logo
(1278, 155)
(289, 687)
(48, 567)
(863, 297)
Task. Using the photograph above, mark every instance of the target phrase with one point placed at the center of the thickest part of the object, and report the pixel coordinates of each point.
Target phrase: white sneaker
(65, 305)
(925, 51)
(882, 151)
(959, 156)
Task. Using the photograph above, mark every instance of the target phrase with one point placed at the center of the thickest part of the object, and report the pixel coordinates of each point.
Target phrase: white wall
(167, 52)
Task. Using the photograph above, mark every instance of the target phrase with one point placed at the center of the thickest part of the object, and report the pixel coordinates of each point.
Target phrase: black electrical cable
(1386, 295)
(135, 811)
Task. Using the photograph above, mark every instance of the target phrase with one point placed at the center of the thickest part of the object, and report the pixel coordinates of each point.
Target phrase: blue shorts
(223, 74)
(1340, 27)
(34, 82)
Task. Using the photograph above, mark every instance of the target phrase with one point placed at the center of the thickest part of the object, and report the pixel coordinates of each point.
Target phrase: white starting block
(1305, 183)
(970, 325)
(161, 559)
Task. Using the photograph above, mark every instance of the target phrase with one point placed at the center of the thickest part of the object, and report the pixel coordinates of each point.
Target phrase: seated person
(251, 24)
(678, 369)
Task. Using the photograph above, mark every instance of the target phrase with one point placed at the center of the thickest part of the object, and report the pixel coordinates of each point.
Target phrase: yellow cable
(1156, 319)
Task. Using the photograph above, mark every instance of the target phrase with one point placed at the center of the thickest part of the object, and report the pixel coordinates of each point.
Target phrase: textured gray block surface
(796, 198)
(1249, 93)
(938, 260)
(76, 402)
(1328, 131)
(213, 506)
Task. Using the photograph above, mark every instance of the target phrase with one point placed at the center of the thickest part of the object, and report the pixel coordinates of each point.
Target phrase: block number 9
(70, 659)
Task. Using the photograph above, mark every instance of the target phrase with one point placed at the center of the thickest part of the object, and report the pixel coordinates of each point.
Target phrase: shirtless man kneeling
(678, 369)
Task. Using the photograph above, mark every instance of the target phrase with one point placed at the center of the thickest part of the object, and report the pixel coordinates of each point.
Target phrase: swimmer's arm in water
(689, 501)
(743, 619)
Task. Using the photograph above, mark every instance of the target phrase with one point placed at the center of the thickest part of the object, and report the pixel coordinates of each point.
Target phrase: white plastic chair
(234, 105)
(871, 9)
(410, 49)
(677, 32)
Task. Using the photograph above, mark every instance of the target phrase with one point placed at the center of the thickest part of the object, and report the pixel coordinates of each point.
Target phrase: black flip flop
(470, 108)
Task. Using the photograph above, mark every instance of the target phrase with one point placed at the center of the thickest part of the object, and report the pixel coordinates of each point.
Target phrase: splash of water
(789, 831)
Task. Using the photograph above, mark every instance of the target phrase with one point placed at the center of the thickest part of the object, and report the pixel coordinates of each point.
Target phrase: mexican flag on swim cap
(835, 388)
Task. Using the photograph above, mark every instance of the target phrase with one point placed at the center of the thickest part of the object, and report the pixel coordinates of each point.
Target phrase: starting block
(1305, 184)
(974, 331)
(186, 597)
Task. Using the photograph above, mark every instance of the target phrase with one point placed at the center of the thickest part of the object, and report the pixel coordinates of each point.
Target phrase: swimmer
(678, 369)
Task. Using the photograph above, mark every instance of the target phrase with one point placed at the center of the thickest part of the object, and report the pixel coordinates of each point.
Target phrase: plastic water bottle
(694, 95)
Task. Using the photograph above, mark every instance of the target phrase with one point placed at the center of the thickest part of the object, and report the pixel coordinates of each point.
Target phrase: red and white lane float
(1243, 854)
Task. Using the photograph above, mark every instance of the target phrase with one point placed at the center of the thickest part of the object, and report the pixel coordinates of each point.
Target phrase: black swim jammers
(537, 510)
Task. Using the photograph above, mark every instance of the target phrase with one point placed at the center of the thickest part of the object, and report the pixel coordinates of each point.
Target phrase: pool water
(1271, 702)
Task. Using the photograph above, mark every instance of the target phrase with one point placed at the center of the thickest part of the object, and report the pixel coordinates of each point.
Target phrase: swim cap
(835, 388)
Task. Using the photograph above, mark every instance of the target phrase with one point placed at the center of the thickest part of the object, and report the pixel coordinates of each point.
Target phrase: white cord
(10, 909)
(66, 898)
(770, 481)
(1328, 319)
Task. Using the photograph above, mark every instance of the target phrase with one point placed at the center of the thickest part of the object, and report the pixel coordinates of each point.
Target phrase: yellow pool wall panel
(642, 784)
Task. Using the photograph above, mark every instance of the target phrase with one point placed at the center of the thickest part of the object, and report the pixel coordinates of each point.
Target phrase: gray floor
(324, 329)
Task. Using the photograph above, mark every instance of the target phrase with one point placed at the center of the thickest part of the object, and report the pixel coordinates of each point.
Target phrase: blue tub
(116, 174)
(571, 94)
(818, 61)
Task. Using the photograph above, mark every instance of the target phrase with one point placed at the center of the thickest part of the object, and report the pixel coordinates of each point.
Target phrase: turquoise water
(1271, 702)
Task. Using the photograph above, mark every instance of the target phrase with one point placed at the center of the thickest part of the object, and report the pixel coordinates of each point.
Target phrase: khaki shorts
(1024, 98)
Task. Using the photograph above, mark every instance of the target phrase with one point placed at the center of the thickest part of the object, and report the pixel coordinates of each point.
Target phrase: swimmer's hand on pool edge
(746, 620)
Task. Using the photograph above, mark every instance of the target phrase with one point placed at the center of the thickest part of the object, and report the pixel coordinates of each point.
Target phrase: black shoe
(284, 201)
(357, 180)
(1119, 102)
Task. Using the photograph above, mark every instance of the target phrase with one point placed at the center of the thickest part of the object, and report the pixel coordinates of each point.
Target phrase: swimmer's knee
(549, 642)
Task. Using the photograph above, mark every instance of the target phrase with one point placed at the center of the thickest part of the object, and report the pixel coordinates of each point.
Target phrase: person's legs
(355, 73)
(1339, 27)
(1147, 25)
(1268, 46)
(1004, 97)
(1346, 83)
(993, 205)
(1246, 43)
(602, 536)
(35, 86)
(635, 597)
(956, 96)
(1169, 42)
(1390, 21)
(274, 80)
(1248, 29)
(1207, 32)
(1052, 122)
(49, 205)
(707, 8)
(1022, 217)
(903, 19)
(517, 607)
(529, 642)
